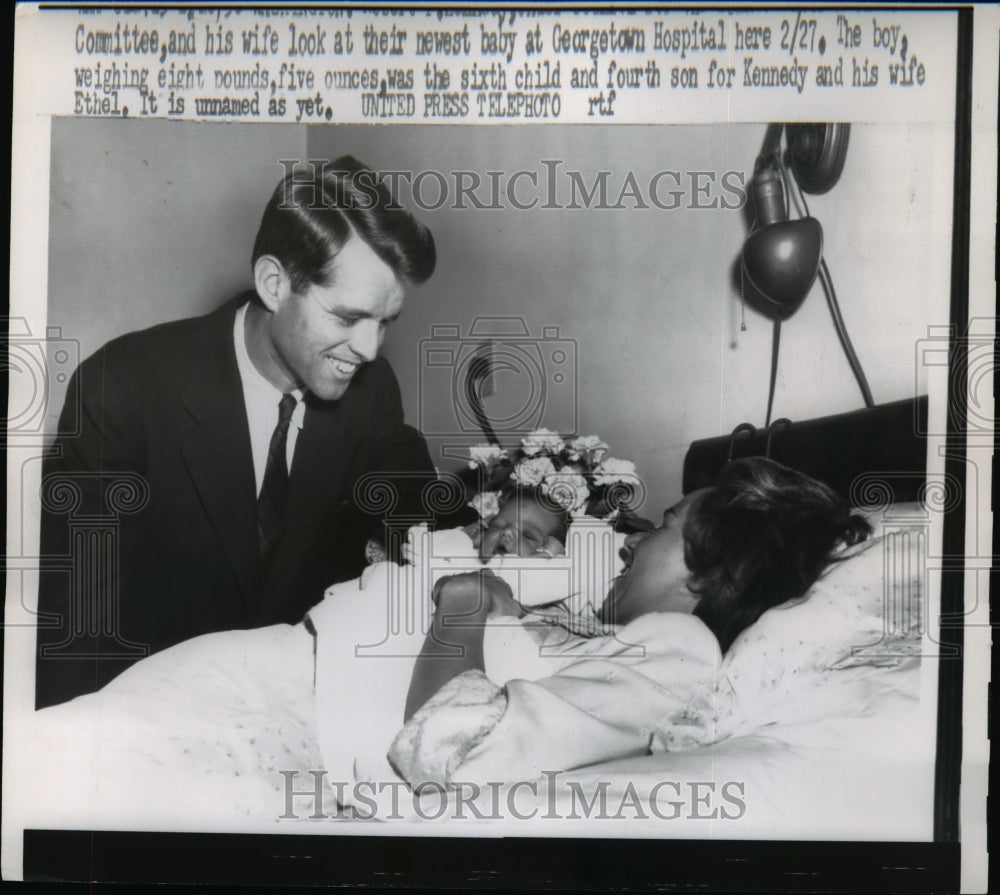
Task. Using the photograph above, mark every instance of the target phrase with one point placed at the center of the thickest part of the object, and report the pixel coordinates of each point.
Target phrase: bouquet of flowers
(575, 474)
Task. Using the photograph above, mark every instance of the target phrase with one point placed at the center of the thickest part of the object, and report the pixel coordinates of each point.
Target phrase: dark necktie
(274, 493)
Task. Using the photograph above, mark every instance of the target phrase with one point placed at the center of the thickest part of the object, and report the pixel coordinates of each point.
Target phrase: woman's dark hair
(760, 537)
(309, 219)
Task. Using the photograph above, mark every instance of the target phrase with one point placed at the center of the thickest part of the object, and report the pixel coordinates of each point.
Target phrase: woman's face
(655, 577)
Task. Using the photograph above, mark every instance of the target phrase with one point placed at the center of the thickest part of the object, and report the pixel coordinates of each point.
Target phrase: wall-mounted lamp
(782, 257)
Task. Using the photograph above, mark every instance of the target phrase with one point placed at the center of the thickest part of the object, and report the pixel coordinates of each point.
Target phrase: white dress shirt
(262, 399)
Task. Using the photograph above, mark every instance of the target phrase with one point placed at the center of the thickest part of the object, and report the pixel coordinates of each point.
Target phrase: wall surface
(648, 296)
(152, 221)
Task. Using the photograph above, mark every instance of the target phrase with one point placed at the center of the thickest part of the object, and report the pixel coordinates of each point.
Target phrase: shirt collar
(253, 380)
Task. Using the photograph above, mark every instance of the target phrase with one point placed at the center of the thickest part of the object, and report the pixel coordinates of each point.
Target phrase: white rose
(614, 470)
(487, 455)
(589, 448)
(542, 441)
(568, 490)
(529, 473)
(487, 504)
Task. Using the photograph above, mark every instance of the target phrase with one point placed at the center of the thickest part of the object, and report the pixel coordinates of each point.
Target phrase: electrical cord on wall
(776, 328)
(831, 299)
(775, 342)
(479, 369)
(845, 340)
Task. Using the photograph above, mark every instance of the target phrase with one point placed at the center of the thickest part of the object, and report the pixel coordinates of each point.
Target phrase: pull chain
(743, 300)
(743, 303)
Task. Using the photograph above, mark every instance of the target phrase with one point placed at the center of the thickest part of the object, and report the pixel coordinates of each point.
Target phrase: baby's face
(522, 527)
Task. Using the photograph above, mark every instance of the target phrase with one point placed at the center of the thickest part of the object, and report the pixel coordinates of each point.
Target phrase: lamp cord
(831, 299)
(845, 339)
(479, 369)
(796, 195)
(775, 342)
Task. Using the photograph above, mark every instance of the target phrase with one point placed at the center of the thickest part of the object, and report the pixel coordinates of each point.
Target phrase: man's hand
(475, 532)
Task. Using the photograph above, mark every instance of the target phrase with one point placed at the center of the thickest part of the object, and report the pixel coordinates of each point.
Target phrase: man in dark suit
(212, 483)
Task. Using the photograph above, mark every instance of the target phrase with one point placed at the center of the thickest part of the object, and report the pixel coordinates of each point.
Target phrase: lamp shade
(781, 261)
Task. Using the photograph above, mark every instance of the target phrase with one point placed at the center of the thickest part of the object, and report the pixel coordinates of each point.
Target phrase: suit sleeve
(93, 472)
(400, 452)
(398, 446)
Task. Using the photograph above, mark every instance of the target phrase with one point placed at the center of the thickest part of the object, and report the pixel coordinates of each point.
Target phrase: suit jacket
(157, 540)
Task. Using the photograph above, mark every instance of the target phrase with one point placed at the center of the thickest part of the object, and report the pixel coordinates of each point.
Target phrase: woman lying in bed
(225, 715)
(720, 559)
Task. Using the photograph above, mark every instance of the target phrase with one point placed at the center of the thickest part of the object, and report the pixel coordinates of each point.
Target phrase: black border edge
(951, 639)
(747, 865)
(489, 864)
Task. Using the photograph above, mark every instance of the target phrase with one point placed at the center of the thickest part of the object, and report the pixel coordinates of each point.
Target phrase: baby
(528, 529)
(531, 526)
(372, 630)
(527, 525)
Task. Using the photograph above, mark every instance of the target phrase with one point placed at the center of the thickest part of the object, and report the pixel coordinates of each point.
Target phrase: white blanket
(815, 740)
(193, 738)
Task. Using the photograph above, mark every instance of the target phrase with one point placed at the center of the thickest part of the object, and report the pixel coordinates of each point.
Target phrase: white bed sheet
(197, 738)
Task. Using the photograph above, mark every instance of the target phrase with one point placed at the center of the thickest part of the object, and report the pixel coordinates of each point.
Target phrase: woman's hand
(454, 643)
(473, 596)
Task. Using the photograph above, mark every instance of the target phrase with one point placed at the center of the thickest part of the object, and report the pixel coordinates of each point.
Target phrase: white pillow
(863, 613)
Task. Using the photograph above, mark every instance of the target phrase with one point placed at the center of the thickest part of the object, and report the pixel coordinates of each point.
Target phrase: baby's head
(527, 525)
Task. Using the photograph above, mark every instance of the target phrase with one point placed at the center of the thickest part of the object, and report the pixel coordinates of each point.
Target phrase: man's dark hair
(308, 220)
(760, 537)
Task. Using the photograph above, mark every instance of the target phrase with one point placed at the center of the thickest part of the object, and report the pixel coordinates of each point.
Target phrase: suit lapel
(217, 452)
